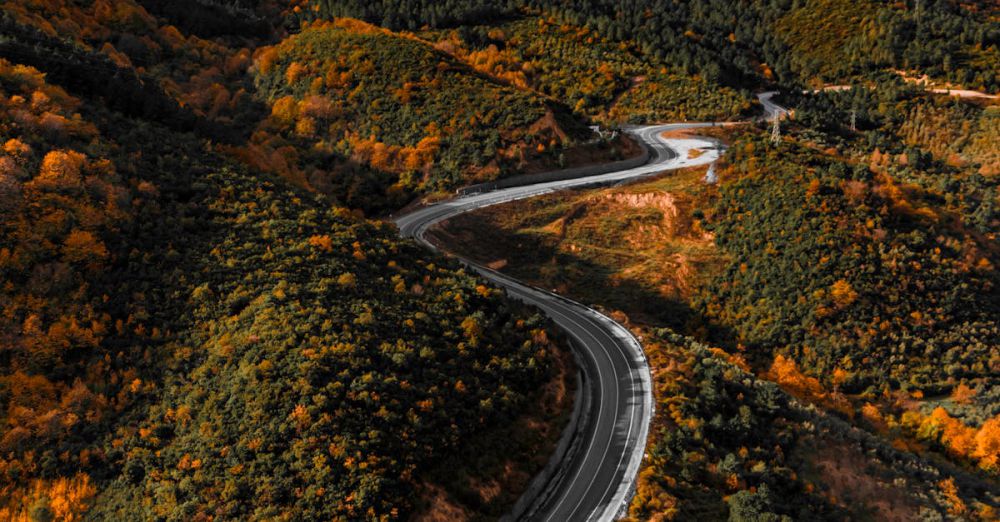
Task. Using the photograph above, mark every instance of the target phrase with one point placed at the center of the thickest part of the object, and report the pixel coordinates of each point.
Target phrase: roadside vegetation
(636, 248)
(200, 323)
(189, 338)
(730, 445)
(855, 269)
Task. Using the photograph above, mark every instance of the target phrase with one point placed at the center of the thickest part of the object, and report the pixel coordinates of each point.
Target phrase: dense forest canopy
(597, 77)
(737, 447)
(852, 263)
(220, 366)
(398, 105)
(863, 273)
(189, 337)
(740, 43)
(861, 277)
(200, 323)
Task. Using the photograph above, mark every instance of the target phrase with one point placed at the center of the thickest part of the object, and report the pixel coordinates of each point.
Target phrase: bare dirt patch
(439, 506)
(721, 131)
(851, 480)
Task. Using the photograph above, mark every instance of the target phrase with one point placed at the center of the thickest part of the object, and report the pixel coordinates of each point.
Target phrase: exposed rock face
(665, 202)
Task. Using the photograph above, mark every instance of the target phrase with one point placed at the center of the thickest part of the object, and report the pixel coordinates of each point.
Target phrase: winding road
(595, 477)
(771, 109)
(592, 474)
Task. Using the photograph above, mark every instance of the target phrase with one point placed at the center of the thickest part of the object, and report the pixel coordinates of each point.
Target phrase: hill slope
(189, 339)
(396, 104)
(199, 325)
(854, 268)
(596, 76)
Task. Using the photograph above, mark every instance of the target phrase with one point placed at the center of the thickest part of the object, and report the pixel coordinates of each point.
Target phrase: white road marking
(667, 154)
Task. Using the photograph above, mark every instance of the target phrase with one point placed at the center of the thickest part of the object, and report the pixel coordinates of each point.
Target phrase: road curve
(771, 110)
(595, 479)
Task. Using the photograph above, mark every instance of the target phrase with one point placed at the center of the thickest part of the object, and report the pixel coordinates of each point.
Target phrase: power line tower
(776, 130)
(854, 120)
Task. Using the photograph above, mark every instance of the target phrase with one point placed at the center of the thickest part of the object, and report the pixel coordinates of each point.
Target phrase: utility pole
(776, 130)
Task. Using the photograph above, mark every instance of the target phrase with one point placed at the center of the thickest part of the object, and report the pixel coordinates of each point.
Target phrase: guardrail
(559, 175)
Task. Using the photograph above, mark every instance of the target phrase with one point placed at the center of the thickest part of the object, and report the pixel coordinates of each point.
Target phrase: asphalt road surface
(771, 109)
(595, 480)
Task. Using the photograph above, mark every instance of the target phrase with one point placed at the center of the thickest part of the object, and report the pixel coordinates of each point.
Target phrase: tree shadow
(537, 259)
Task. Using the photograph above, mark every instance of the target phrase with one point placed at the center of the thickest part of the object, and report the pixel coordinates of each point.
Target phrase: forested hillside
(854, 271)
(730, 445)
(739, 43)
(801, 41)
(596, 76)
(181, 64)
(200, 323)
(189, 338)
(854, 268)
(867, 259)
(398, 106)
(372, 141)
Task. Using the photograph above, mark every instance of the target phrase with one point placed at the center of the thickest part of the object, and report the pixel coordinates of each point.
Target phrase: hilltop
(394, 104)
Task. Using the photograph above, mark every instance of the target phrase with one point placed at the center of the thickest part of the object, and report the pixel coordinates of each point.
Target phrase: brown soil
(548, 122)
(851, 481)
(723, 131)
(440, 508)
